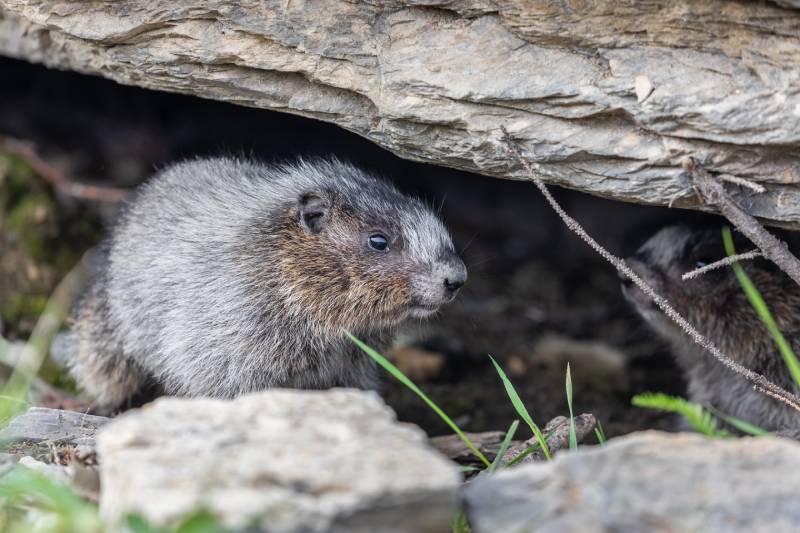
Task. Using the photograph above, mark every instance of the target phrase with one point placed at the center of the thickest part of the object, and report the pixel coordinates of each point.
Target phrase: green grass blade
(498, 461)
(200, 522)
(460, 523)
(527, 451)
(761, 308)
(573, 438)
(700, 419)
(601, 436)
(402, 378)
(742, 425)
(516, 401)
(137, 524)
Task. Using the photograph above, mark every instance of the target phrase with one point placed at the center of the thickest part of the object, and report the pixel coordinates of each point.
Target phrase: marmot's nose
(453, 284)
(455, 277)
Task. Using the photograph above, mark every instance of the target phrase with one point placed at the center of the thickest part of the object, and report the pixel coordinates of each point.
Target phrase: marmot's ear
(314, 211)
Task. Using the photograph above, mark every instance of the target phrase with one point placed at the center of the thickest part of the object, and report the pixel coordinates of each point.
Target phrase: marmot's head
(711, 301)
(356, 253)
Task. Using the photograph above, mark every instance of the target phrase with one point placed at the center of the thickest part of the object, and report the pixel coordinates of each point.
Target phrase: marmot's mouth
(422, 310)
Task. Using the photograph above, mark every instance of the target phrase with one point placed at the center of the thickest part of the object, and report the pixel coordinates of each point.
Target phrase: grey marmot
(717, 306)
(225, 276)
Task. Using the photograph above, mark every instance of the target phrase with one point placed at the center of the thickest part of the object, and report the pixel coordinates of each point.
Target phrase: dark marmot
(718, 307)
(225, 276)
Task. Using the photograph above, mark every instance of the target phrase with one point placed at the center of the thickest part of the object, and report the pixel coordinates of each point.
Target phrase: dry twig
(736, 180)
(51, 174)
(752, 254)
(757, 379)
(771, 394)
(712, 192)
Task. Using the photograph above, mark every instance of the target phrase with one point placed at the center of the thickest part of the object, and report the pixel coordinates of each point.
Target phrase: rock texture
(610, 96)
(285, 460)
(647, 482)
(53, 426)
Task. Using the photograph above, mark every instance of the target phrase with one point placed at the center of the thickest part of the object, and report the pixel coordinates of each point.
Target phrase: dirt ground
(536, 298)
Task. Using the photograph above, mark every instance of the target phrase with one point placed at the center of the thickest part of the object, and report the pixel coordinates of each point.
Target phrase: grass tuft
(498, 461)
(601, 435)
(516, 401)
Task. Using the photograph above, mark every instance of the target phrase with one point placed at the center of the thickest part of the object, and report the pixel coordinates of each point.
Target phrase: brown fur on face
(333, 278)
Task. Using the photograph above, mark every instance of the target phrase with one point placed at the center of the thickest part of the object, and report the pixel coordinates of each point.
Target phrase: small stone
(594, 364)
(516, 366)
(418, 364)
(284, 460)
(56, 473)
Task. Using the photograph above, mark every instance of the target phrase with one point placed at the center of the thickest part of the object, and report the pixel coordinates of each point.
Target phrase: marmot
(225, 276)
(717, 306)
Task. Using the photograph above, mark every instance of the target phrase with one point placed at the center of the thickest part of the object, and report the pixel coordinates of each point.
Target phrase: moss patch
(40, 240)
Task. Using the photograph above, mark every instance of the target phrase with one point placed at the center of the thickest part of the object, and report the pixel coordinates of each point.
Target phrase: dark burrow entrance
(536, 298)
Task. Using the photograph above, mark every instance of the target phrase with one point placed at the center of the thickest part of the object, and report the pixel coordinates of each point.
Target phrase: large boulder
(647, 482)
(283, 460)
(610, 97)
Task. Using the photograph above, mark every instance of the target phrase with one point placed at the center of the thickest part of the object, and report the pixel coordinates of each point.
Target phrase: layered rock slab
(609, 97)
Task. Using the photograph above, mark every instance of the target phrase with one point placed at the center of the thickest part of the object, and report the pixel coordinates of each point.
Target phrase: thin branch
(534, 171)
(712, 192)
(752, 254)
(736, 180)
(771, 394)
(52, 175)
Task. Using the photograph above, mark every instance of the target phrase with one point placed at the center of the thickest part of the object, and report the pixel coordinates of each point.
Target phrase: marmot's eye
(378, 242)
(700, 264)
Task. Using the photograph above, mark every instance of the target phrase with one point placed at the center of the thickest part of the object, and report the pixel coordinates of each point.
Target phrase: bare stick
(752, 254)
(773, 395)
(51, 174)
(757, 379)
(712, 192)
(736, 180)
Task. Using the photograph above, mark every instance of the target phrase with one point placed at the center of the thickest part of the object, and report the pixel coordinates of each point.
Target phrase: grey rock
(647, 481)
(82, 479)
(285, 460)
(609, 97)
(40, 424)
(57, 473)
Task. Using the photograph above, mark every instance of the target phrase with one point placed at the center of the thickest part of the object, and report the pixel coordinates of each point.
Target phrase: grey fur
(198, 291)
(717, 306)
